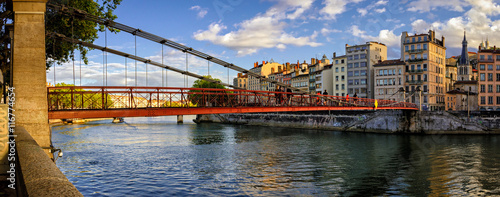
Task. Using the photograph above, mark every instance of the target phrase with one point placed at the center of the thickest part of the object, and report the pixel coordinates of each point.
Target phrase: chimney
(272, 70)
(313, 61)
(319, 61)
(334, 54)
(442, 38)
(255, 64)
(239, 75)
(287, 66)
(298, 62)
(279, 68)
(263, 62)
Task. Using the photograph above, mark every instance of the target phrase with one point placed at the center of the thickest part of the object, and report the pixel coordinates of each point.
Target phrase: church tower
(464, 69)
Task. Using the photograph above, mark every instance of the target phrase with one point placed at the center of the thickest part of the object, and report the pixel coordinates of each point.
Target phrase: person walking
(347, 98)
(376, 104)
(325, 98)
(355, 97)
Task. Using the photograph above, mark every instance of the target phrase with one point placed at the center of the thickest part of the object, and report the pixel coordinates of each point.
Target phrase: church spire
(464, 57)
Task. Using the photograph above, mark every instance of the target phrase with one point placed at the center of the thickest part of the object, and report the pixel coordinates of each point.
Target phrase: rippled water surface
(157, 157)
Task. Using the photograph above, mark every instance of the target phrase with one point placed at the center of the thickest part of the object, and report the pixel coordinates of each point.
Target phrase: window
(356, 73)
(490, 67)
(481, 57)
(412, 40)
(337, 87)
(385, 72)
(336, 78)
(425, 38)
(490, 100)
(483, 88)
(425, 88)
(482, 77)
(483, 100)
(356, 65)
(481, 67)
(490, 76)
(343, 88)
(498, 100)
(349, 74)
(362, 56)
(424, 56)
(356, 57)
(336, 61)
(490, 88)
(380, 72)
(343, 78)
(385, 82)
(356, 82)
(425, 46)
(349, 65)
(425, 77)
(406, 48)
(349, 82)
(362, 73)
(337, 69)
(407, 57)
(390, 72)
(490, 57)
(498, 57)
(349, 57)
(342, 69)
(498, 67)
(362, 64)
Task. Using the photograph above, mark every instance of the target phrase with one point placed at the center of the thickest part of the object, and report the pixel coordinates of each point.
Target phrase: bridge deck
(102, 102)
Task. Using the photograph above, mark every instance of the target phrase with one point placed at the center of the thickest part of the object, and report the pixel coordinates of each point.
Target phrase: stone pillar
(29, 78)
(180, 119)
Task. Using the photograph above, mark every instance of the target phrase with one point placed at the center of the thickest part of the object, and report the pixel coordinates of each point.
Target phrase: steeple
(464, 57)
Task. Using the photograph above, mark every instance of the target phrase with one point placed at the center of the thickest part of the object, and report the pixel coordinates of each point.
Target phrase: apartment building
(389, 78)
(241, 81)
(360, 61)
(425, 58)
(264, 69)
(489, 77)
(339, 71)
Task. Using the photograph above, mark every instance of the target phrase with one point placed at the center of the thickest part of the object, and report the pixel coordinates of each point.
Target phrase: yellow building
(425, 58)
(264, 69)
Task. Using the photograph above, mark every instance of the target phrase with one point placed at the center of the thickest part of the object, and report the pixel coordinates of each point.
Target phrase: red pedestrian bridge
(106, 102)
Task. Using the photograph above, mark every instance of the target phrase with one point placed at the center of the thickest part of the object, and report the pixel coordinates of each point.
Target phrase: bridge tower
(28, 75)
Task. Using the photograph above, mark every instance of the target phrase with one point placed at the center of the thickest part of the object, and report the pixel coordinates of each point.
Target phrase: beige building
(241, 81)
(264, 69)
(389, 77)
(300, 76)
(316, 74)
(425, 58)
(339, 71)
(360, 61)
(489, 77)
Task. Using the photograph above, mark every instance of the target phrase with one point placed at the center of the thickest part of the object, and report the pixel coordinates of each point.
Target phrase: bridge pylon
(28, 74)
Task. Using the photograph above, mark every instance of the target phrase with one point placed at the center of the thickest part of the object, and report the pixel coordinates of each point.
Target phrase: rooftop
(390, 63)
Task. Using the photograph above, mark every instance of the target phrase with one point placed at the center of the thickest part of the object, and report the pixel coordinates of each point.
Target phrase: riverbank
(54, 122)
(390, 121)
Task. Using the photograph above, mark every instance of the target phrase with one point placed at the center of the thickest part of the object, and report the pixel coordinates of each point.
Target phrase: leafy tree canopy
(205, 84)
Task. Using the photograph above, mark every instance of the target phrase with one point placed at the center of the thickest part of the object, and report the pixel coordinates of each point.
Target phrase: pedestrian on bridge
(289, 95)
(376, 105)
(325, 98)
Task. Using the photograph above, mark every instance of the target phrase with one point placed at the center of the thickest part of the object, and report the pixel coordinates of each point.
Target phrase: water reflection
(227, 160)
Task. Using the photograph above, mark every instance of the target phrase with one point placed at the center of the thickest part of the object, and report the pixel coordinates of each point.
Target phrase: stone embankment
(390, 121)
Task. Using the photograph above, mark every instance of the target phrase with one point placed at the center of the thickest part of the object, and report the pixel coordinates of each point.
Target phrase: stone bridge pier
(28, 74)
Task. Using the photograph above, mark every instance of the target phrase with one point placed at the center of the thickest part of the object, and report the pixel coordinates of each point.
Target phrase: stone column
(29, 78)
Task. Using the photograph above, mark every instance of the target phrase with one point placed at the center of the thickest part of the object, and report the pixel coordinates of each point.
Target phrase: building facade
(360, 61)
(425, 58)
(241, 81)
(489, 77)
(389, 75)
(264, 69)
(339, 71)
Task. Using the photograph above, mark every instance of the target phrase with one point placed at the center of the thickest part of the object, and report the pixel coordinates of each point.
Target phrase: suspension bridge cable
(84, 15)
(125, 71)
(90, 45)
(73, 52)
(106, 45)
(135, 47)
(146, 74)
(55, 63)
(162, 82)
(80, 68)
(185, 77)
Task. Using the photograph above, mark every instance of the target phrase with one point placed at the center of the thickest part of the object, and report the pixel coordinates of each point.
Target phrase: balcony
(416, 60)
(415, 82)
(415, 71)
(486, 61)
(415, 51)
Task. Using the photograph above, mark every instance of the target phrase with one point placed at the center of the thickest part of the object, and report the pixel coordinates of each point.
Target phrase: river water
(157, 157)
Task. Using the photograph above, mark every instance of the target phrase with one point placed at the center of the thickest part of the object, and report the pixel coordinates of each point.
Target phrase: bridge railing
(95, 97)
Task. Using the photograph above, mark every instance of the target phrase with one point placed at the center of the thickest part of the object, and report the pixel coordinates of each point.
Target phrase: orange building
(489, 77)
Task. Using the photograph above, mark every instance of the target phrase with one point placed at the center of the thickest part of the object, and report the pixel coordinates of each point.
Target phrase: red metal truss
(102, 102)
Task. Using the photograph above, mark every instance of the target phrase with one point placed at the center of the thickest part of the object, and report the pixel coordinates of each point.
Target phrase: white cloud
(476, 21)
(201, 11)
(265, 30)
(362, 11)
(382, 10)
(334, 7)
(428, 5)
(326, 31)
(385, 36)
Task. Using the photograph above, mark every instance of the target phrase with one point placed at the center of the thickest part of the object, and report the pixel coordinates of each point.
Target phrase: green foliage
(90, 100)
(218, 98)
(59, 51)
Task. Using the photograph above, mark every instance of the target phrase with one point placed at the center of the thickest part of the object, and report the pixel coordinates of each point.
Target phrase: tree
(82, 99)
(209, 97)
(58, 51)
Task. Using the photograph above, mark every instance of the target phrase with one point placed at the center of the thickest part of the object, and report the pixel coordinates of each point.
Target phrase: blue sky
(243, 32)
